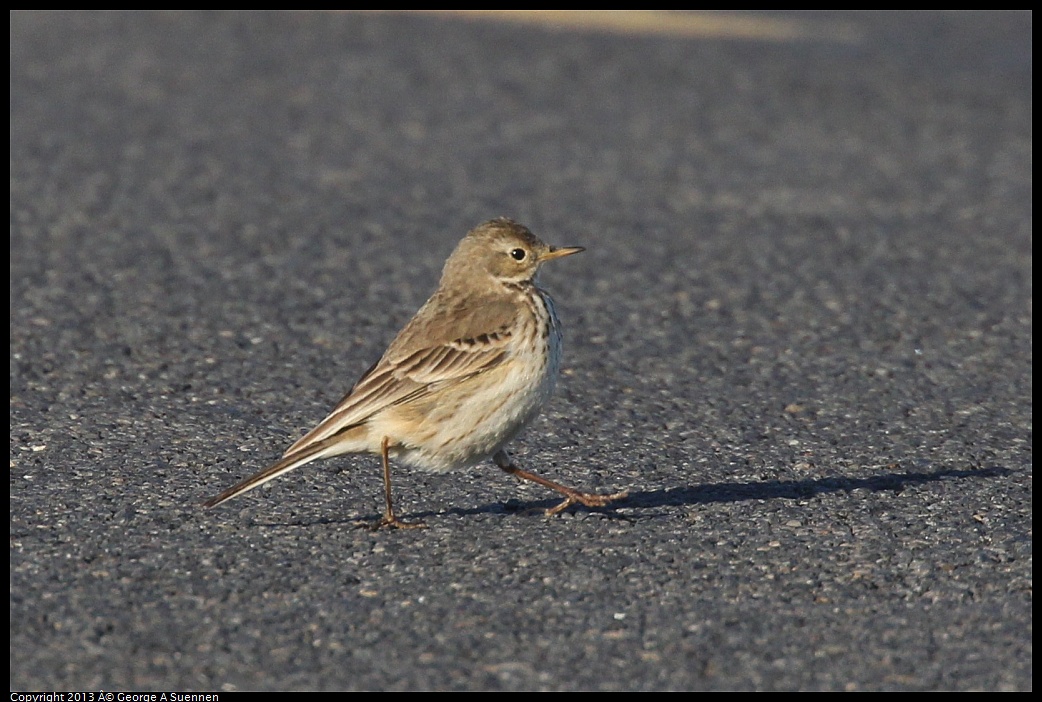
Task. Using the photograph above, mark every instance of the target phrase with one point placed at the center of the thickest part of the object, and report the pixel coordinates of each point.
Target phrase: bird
(461, 379)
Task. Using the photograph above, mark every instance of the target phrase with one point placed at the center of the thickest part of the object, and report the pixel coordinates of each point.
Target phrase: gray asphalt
(800, 336)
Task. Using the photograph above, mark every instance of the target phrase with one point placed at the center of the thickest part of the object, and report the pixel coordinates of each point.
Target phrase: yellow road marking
(722, 25)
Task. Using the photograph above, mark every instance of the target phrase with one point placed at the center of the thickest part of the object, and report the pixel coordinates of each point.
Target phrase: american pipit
(463, 377)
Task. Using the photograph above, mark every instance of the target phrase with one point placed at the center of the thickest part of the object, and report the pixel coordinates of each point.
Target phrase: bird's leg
(389, 520)
(572, 496)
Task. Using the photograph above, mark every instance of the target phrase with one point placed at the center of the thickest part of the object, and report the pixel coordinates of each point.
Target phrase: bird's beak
(561, 252)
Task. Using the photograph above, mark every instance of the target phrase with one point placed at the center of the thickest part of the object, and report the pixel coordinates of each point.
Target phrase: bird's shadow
(800, 489)
(639, 503)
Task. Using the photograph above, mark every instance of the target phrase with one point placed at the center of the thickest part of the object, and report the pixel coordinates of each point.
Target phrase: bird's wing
(430, 352)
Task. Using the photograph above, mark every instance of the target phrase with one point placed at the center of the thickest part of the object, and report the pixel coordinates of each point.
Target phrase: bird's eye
(518, 254)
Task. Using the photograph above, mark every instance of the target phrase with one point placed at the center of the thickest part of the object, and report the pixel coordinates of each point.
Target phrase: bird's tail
(319, 449)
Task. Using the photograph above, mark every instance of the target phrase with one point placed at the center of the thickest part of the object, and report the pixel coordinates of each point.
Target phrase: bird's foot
(587, 499)
(389, 521)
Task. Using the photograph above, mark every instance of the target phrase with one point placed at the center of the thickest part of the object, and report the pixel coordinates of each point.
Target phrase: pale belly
(468, 424)
(463, 424)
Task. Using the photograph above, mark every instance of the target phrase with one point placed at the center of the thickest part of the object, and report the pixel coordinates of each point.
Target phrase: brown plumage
(461, 379)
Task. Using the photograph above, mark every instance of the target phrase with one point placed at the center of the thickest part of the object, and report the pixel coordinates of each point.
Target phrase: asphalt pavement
(800, 336)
